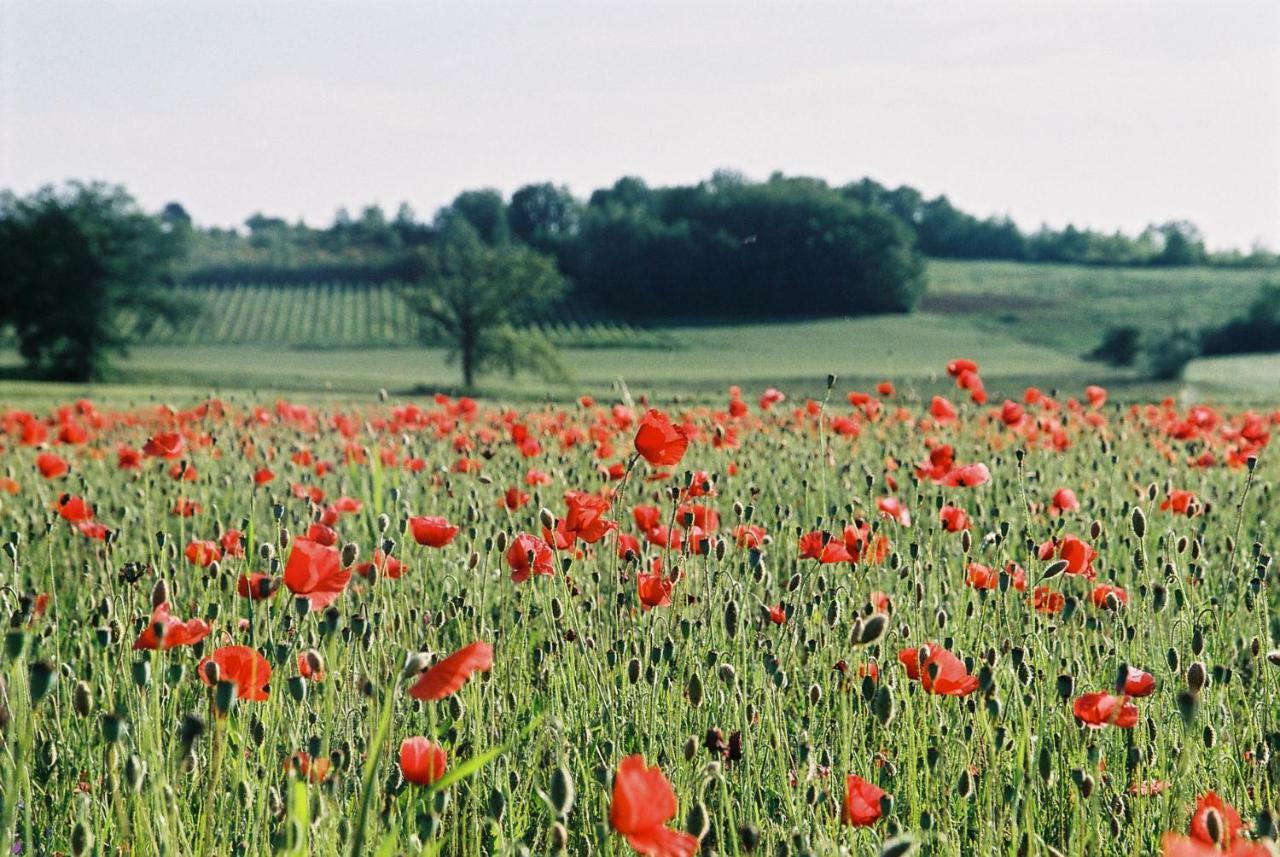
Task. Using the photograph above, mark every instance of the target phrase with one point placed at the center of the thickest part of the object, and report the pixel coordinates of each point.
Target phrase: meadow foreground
(866, 622)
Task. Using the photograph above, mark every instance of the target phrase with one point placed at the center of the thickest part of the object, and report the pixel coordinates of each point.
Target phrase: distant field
(1024, 323)
(1069, 307)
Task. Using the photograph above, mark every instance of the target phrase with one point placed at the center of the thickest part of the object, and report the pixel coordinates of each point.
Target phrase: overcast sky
(1111, 114)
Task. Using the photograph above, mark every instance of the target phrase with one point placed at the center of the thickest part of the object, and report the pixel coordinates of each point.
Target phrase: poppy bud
(749, 837)
(633, 670)
(882, 705)
(82, 699)
(873, 629)
(350, 551)
(224, 696)
(1139, 522)
(1273, 657)
(14, 643)
(1196, 677)
(500, 542)
(559, 838)
(562, 791)
(694, 690)
(159, 593)
(815, 694)
(497, 805)
(728, 674)
(547, 518)
(697, 822)
(81, 839)
(1054, 569)
(42, 678)
(113, 727)
(141, 673)
(1188, 704)
(731, 618)
(1210, 737)
(135, 772)
(297, 687)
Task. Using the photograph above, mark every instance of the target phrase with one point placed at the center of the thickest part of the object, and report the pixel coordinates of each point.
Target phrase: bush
(1119, 347)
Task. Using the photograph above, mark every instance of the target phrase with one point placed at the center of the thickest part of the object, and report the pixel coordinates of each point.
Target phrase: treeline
(727, 246)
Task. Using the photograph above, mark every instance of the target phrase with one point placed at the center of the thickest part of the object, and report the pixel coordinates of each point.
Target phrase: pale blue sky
(1111, 114)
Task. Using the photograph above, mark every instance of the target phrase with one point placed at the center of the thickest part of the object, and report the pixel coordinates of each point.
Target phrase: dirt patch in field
(959, 303)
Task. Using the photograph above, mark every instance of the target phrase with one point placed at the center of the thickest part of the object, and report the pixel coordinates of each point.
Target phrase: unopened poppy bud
(160, 593)
(693, 690)
(1139, 522)
(728, 674)
(547, 518)
(15, 642)
(113, 727)
(497, 804)
(266, 551)
(1273, 657)
(135, 772)
(301, 605)
(190, 729)
(562, 791)
(141, 671)
(224, 696)
(81, 839)
(350, 551)
(1196, 677)
(1213, 824)
(43, 676)
(212, 672)
(82, 699)
(697, 822)
(315, 661)
(882, 705)
(500, 541)
(297, 688)
(873, 628)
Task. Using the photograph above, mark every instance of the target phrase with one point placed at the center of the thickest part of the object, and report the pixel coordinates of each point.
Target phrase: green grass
(1024, 323)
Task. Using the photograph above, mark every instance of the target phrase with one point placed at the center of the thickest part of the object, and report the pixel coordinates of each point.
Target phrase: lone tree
(81, 268)
(478, 300)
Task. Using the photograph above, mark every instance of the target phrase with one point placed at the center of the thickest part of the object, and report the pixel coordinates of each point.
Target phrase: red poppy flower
(422, 762)
(386, 566)
(748, 535)
(322, 534)
(585, 519)
(1174, 845)
(314, 571)
(128, 458)
(1104, 596)
(981, 576)
(167, 632)
(184, 508)
(1064, 500)
(942, 410)
(1096, 395)
(73, 509)
(821, 546)
(892, 508)
(1181, 502)
(52, 466)
(164, 445)
(257, 586)
(660, 442)
(243, 667)
(958, 367)
(954, 519)
(1046, 600)
(654, 590)
(232, 542)
(1077, 553)
(941, 673)
(203, 553)
(862, 806)
(513, 499)
(886, 388)
(777, 614)
(432, 531)
(445, 677)
(643, 802)
(313, 770)
(967, 476)
(263, 476)
(1231, 826)
(529, 555)
(1137, 682)
(1100, 709)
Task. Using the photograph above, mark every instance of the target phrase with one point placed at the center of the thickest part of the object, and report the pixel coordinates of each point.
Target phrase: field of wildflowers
(861, 624)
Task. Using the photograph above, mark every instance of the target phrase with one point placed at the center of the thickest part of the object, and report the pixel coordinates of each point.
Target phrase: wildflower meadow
(877, 622)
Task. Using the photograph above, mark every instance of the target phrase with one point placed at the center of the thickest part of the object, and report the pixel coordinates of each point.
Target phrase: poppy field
(868, 622)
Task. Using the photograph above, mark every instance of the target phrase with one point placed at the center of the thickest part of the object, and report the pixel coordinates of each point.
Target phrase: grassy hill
(1025, 323)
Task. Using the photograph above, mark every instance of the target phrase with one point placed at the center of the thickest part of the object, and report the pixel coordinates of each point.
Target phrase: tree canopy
(81, 267)
(478, 299)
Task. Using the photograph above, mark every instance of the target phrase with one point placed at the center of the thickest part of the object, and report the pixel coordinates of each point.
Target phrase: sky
(1110, 114)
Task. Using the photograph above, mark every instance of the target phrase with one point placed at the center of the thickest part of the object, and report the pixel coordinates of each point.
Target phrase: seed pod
(82, 699)
(81, 839)
(43, 676)
(873, 628)
(698, 821)
(1196, 677)
(693, 690)
(562, 792)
